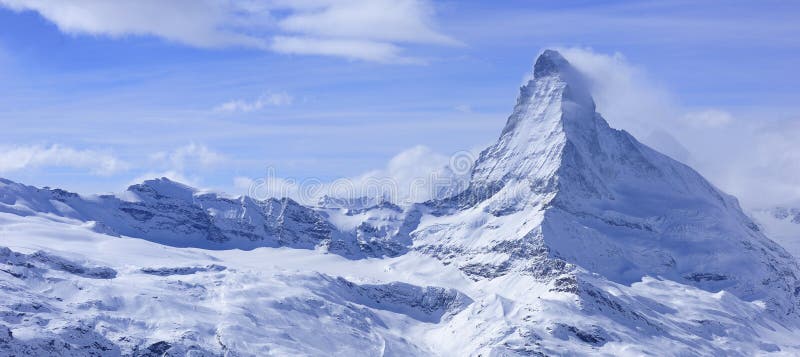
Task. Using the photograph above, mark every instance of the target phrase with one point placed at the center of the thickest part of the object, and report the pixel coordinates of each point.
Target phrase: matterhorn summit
(562, 192)
(570, 238)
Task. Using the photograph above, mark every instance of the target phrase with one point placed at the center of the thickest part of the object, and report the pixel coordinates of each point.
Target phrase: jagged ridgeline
(560, 192)
(570, 237)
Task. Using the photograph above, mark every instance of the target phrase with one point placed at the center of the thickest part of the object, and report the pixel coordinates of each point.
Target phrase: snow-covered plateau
(570, 238)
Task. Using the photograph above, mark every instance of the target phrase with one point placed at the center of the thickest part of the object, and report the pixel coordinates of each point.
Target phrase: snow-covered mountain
(562, 190)
(570, 238)
(174, 214)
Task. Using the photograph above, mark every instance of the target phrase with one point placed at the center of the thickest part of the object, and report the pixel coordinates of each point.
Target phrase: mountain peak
(553, 108)
(164, 187)
(550, 62)
(561, 189)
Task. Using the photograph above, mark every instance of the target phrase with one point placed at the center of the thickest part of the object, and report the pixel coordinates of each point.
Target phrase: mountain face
(570, 238)
(561, 189)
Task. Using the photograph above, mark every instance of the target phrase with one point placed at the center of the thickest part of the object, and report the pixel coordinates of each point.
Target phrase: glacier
(569, 238)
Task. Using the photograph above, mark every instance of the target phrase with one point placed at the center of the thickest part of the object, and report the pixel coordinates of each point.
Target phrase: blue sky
(95, 95)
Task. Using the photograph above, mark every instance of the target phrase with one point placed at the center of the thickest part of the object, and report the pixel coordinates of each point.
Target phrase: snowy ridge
(174, 214)
(570, 238)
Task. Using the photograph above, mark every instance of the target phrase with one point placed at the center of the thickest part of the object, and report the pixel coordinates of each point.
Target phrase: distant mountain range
(571, 237)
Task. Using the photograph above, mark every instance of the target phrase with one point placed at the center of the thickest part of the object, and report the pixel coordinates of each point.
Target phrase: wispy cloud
(756, 160)
(404, 21)
(354, 49)
(371, 30)
(183, 164)
(263, 101)
(626, 96)
(189, 156)
(197, 23)
(463, 108)
(16, 158)
(417, 174)
(708, 118)
(367, 30)
(414, 175)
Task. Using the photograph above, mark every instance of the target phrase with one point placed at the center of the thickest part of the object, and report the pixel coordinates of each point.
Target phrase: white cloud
(243, 183)
(358, 29)
(182, 164)
(463, 108)
(17, 158)
(624, 94)
(757, 160)
(188, 156)
(709, 118)
(370, 30)
(414, 175)
(354, 49)
(403, 21)
(200, 23)
(265, 100)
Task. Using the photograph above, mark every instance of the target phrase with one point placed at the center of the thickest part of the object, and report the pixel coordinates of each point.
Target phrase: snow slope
(570, 238)
(107, 295)
(63, 284)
